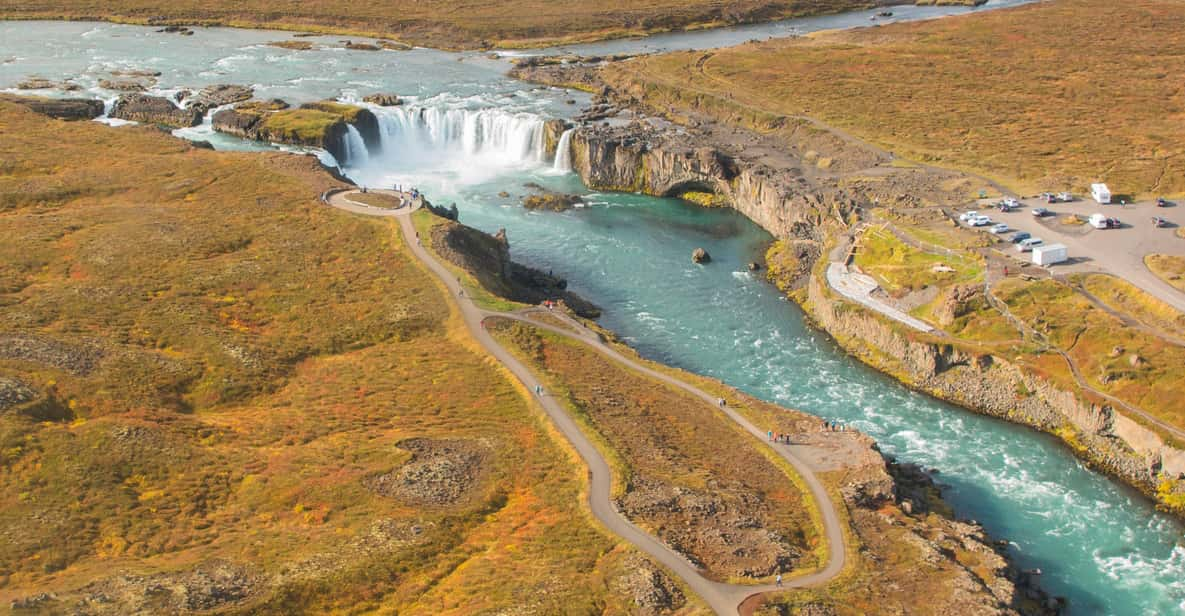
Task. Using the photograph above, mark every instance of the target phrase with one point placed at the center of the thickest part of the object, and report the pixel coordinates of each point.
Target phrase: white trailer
(1049, 254)
(1100, 193)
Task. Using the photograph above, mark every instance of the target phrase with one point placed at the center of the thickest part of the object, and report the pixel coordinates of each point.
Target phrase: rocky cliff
(319, 125)
(663, 163)
(487, 257)
(994, 386)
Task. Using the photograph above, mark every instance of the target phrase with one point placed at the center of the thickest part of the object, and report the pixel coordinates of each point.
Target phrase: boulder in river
(155, 110)
(122, 85)
(36, 83)
(221, 94)
(383, 99)
(699, 255)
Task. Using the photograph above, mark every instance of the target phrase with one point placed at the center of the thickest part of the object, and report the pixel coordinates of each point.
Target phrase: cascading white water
(510, 137)
(563, 152)
(447, 145)
(354, 147)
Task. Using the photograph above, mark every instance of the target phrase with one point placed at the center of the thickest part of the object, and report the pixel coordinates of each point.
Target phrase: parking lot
(1119, 252)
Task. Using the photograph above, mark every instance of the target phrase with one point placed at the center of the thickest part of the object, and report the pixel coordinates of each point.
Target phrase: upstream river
(469, 133)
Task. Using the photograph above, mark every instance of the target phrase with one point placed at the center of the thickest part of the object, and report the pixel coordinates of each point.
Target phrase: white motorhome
(1049, 254)
(1100, 193)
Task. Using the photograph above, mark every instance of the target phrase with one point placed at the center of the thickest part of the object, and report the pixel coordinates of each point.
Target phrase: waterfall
(563, 152)
(354, 148)
(500, 137)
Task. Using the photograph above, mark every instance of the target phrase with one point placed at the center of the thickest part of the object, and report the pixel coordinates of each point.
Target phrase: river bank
(809, 194)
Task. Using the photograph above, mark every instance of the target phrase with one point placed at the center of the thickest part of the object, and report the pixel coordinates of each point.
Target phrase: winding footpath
(721, 597)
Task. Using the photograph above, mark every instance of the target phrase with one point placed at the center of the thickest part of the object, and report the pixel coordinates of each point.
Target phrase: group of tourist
(779, 437)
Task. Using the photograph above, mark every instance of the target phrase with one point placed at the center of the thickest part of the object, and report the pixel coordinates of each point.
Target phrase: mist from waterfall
(447, 147)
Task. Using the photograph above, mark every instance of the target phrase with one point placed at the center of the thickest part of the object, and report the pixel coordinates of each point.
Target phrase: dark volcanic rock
(60, 108)
(699, 255)
(222, 94)
(155, 110)
(555, 202)
(487, 257)
(237, 122)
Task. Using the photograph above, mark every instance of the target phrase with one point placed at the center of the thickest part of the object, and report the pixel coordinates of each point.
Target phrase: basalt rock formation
(320, 125)
(60, 108)
(487, 257)
(155, 110)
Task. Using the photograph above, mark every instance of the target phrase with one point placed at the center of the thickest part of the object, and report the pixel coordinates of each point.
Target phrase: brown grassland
(202, 364)
(672, 447)
(442, 23)
(1052, 95)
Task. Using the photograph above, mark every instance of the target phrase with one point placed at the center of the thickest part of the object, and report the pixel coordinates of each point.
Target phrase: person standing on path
(770, 434)
(778, 580)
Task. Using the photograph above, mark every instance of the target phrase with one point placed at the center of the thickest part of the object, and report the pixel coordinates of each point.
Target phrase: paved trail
(723, 598)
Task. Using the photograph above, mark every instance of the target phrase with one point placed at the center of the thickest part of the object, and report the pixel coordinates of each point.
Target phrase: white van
(1101, 193)
(1027, 245)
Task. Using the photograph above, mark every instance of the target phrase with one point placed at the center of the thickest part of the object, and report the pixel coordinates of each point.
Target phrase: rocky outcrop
(487, 257)
(319, 125)
(218, 95)
(383, 100)
(440, 472)
(638, 158)
(37, 83)
(552, 131)
(155, 110)
(122, 85)
(60, 108)
(699, 255)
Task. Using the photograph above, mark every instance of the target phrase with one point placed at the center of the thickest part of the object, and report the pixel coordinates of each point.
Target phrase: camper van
(1100, 193)
(1098, 221)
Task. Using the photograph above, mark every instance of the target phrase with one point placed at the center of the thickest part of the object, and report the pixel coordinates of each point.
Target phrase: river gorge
(469, 135)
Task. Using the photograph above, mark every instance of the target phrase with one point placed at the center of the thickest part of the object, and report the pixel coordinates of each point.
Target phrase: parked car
(1049, 197)
(1162, 202)
(1065, 197)
(980, 221)
(1027, 245)
(1159, 222)
(1041, 212)
(1012, 203)
(1019, 237)
(1098, 221)
(965, 216)
(999, 228)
